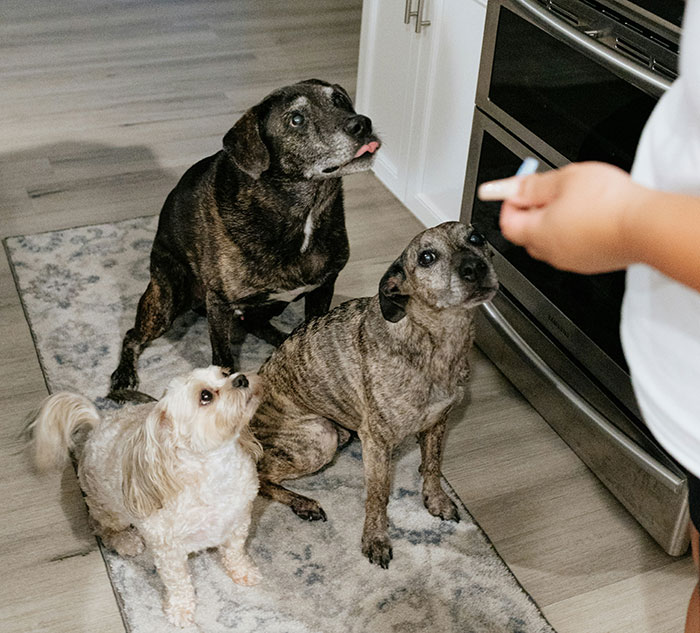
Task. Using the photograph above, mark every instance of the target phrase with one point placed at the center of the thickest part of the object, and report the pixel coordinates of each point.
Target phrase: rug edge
(495, 552)
(27, 318)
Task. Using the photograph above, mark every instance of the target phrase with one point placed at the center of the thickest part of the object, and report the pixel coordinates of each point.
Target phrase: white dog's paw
(127, 542)
(245, 573)
(180, 613)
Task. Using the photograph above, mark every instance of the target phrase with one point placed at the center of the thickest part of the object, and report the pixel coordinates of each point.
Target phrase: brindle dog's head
(305, 131)
(446, 267)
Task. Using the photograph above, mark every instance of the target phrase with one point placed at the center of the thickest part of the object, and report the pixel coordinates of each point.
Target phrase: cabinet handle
(420, 23)
(407, 13)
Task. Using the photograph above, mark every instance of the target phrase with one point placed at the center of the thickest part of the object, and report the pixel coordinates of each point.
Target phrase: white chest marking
(308, 230)
(290, 295)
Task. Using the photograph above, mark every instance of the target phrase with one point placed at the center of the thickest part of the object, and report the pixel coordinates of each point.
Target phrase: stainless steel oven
(572, 80)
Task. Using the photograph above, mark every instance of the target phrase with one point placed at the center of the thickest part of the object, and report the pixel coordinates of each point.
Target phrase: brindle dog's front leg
(434, 497)
(376, 457)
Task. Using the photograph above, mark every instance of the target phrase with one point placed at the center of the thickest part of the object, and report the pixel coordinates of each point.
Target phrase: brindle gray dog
(258, 224)
(386, 367)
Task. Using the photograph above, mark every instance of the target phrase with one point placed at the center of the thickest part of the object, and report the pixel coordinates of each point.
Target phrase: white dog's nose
(240, 381)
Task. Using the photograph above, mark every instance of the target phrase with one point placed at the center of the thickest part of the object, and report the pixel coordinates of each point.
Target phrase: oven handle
(659, 471)
(604, 55)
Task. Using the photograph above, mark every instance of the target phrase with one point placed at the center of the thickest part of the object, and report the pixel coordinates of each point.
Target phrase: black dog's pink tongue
(371, 147)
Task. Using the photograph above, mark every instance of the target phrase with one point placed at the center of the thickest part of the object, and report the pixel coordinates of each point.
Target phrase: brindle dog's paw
(378, 550)
(308, 509)
(441, 506)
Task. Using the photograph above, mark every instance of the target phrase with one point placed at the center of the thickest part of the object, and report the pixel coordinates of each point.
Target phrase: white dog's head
(198, 413)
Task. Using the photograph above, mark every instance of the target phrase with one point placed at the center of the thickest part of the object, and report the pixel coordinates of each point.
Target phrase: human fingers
(524, 191)
(517, 224)
(499, 189)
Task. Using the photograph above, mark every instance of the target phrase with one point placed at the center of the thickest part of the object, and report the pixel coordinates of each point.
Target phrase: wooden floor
(103, 104)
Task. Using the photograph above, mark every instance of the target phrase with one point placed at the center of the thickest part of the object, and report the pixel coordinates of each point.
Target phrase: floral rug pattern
(79, 288)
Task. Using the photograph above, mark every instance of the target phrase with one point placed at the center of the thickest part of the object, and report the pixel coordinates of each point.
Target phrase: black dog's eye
(476, 238)
(427, 258)
(297, 119)
(206, 396)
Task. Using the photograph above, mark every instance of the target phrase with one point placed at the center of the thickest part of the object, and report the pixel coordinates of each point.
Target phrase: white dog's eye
(205, 397)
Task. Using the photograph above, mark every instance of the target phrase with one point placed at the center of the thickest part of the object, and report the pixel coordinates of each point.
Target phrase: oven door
(548, 87)
(580, 312)
(563, 92)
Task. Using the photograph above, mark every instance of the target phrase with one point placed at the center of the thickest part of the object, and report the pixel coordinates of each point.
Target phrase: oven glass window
(592, 302)
(567, 100)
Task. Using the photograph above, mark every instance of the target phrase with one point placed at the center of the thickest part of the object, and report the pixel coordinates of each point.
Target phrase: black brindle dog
(255, 226)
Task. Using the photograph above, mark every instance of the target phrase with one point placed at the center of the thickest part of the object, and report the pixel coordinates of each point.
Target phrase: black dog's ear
(392, 301)
(342, 90)
(245, 145)
(316, 82)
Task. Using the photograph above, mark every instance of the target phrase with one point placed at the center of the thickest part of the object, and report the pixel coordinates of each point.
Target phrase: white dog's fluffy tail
(52, 431)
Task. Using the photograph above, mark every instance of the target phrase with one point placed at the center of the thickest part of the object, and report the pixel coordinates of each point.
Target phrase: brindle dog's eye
(476, 238)
(297, 119)
(205, 397)
(427, 258)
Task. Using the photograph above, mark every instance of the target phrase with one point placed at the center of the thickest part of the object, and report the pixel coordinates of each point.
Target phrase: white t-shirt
(661, 317)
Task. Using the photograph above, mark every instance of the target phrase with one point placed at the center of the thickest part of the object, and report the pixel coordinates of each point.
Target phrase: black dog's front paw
(130, 396)
(378, 550)
(123, 379)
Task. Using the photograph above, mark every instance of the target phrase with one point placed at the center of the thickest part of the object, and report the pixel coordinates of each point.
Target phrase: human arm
(592, 218)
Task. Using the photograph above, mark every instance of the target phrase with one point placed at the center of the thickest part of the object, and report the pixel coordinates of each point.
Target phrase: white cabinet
(418, 89)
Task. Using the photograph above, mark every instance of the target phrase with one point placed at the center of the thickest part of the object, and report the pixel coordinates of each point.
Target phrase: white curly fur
(177, 475)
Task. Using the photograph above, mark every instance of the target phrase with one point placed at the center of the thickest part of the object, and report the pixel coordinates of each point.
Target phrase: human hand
(574, 218)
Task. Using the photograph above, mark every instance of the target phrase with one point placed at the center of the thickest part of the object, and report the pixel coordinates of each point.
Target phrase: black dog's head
(307, 131)
(447, 266)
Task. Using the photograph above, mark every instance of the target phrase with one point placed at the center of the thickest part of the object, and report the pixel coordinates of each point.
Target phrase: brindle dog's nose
(358, 125)
(472, 268)
(240, 381)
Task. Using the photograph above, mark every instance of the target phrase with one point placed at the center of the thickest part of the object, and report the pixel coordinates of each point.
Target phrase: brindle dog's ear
(391, 300)
(245, 145)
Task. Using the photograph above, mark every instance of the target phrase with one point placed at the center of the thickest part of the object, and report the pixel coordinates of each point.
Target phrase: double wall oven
(574, 80)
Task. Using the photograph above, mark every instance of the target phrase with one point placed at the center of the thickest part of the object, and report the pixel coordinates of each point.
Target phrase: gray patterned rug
(79, 289)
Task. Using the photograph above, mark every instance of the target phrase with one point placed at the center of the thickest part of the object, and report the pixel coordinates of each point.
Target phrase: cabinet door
(386, 85)
(448, 67)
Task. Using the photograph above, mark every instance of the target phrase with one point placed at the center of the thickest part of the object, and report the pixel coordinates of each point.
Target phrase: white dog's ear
(148, 465)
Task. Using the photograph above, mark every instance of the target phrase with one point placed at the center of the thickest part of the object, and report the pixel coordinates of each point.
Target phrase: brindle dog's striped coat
(386, 367)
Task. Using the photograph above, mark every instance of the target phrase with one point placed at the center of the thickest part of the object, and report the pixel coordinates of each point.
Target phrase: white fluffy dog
(178, 475)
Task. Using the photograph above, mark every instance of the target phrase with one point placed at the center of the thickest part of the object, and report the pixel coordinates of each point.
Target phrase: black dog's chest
(271, 275)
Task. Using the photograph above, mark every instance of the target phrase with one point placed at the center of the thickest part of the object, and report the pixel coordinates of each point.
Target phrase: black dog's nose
(472, 268)
(240, 381)
(358, 125)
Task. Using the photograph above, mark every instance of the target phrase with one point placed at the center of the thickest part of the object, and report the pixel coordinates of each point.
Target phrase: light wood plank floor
(103, 104)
